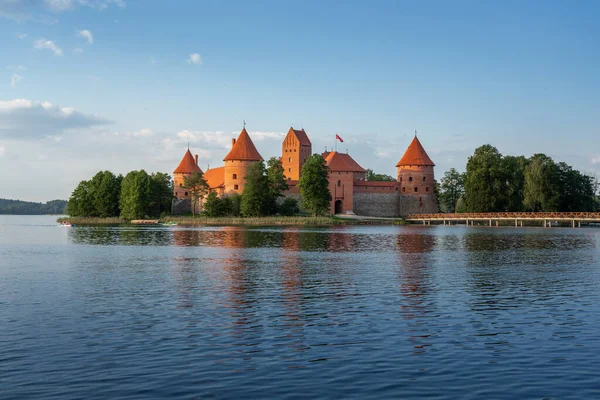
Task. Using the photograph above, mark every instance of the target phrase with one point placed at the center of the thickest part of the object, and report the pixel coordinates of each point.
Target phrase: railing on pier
(547, 218)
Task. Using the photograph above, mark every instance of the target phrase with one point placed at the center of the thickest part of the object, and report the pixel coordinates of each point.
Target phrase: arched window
(400, 179)
(410, 178)
(175, 194)
(339, 183)
(235, 187)
(234, 176)
(427, 189)
(416, 189)
(290, 170)
(424, 178)
(290, 159)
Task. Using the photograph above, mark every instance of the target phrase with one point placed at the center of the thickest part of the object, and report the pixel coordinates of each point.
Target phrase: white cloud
(23, 119)
(195, 58)
(87, 35)
(40, 10)
(16, 67)
(596, 160)
(143, 132)
(2, 151)
(43, 44)
(15, 79)
(77, 50)
(21, 35)
(260, 136)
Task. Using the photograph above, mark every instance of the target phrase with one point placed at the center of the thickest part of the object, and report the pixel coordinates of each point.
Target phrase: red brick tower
(187, 166)
(415, 174)
(296, 147)
(242, 154)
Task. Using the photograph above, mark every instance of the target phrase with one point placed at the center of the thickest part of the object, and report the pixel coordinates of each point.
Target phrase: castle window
(416, 189)
(427, 189)
(290, 159)
(424, 178)
(294, 150)
(290, 170)
(339, 183)
(181, 185)
(234, 176)
(175, 194)
(403, 190)
(410, 178)
(235, 187)
(185, 194)
(400, 179)
(396, 189)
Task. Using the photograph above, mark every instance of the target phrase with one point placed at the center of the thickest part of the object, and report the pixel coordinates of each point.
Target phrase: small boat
(66, 225)
(170, 223)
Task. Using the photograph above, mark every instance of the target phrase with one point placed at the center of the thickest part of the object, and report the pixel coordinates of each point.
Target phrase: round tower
(242, 154)
(187, 166)
(416, 178)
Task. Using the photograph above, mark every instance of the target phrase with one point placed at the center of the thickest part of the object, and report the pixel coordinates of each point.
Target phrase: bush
(289, 207)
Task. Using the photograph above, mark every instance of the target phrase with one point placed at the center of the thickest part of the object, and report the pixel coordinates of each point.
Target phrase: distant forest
(19, 207)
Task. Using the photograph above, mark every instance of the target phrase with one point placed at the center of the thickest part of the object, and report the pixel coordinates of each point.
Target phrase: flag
(337, 137)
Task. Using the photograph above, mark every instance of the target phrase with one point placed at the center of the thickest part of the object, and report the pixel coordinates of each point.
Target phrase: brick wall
(376, 204)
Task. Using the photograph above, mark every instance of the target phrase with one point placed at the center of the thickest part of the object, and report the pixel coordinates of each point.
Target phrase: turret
(187, 166)
(242, 154)
(415, 174)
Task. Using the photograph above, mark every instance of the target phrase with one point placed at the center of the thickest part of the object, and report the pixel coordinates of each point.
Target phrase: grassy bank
(92, 221)
(229, 221)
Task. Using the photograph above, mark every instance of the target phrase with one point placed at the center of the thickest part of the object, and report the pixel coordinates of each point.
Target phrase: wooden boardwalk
(545, 219)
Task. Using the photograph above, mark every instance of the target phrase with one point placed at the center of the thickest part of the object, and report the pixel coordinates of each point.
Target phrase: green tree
(234, 204)
(576, 190)
(135, 198)
(213, 206)
(198, 188)
(289, 207)
(105, 190)
(161, 194)
(514, 171)
(276, 177)
(314, 185)
(80, 203)
(371, 176)
(485, 181)
(541, 189)
(257, 199)
(452, 188)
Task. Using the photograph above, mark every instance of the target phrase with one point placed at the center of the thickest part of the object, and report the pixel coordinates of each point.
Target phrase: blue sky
(87, 85)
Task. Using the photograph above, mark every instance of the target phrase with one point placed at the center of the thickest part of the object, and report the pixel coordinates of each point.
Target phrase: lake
(292, 312)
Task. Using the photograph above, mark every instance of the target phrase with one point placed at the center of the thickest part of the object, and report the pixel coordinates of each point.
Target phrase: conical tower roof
(243, 149)
(415, 155)
(187, 165)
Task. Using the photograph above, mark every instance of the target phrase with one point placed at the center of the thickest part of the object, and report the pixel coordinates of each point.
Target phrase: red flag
(337, 137)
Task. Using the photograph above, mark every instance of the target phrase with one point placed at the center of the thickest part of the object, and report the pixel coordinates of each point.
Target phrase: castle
(412, 192)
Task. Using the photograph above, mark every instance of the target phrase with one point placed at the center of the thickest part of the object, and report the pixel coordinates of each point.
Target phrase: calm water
(362, 312)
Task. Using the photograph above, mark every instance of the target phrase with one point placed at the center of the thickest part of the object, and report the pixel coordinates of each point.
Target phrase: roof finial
(188, 145)
(415, 133)
(244, 124)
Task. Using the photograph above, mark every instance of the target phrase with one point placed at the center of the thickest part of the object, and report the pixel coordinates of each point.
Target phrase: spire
(415, 154)
(243, 149)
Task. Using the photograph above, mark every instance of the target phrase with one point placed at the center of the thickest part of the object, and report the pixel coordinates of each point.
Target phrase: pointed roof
(415, 155)
(339, 162)
(243, 149)
(300, 135)
(187, 165)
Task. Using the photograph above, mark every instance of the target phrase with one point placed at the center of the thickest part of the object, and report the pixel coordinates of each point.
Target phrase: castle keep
(411, 193)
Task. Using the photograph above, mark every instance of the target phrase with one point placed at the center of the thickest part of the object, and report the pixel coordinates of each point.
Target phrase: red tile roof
(340, 162)
(415, 155)
(187, 165)
(243, 149)
(301, 136)
(215, 177)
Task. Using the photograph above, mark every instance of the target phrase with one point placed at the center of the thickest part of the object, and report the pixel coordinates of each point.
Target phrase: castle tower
(187, 166)
(242, 154)
(296, 147)
(415, 175)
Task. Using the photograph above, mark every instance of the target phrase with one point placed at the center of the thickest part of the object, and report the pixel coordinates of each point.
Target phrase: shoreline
(233, 221)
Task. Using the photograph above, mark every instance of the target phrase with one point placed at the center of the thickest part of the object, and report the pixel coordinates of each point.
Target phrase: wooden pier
(545, 219)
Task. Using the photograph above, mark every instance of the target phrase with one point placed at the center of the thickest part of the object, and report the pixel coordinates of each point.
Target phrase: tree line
(134, 196)
(494, 182)
(263, 191)
(19, 207)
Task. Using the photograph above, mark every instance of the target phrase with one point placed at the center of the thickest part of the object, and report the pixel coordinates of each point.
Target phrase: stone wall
(181, 206)
(411, 204)
(376, 204)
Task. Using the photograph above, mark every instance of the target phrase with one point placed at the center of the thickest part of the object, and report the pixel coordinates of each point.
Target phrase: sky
(121, 85)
